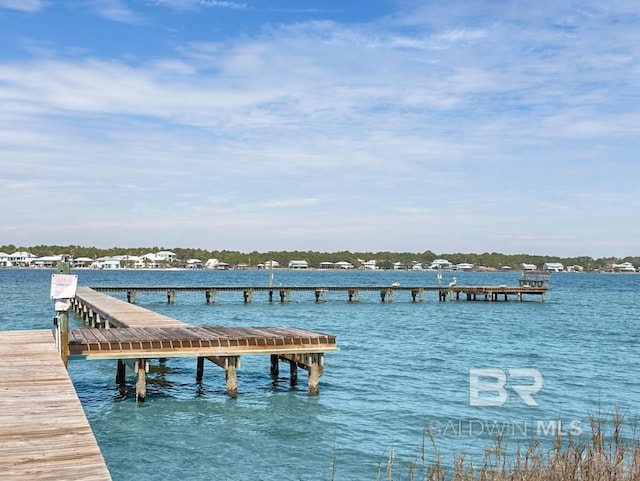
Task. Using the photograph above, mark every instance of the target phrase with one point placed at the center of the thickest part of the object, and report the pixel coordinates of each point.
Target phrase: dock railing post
(63, 288)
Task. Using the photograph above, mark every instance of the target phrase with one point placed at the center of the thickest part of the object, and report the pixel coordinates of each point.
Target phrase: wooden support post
(131, 296)
(314, 374)
(121, 372)
(275, 365)
(270, 296)
(141, 384)
(210, 296)
(233, 363)
(248, 295)
(354, 295)
(171, 295)
(386, 295)
(293, 374)
(320, 295)
(200, 369)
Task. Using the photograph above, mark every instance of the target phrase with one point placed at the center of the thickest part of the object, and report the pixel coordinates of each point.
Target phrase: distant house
(464, 266)
(327, 265)
(269, 265)
(4, 260)
(216, 264)
(211, 263)
(529, 267)
(552, 267)
(81, 262)
(624, 267)
(194, 264)
(440, 264)
(397, 266)
(47, 261)
(22, 259)
(166, 256)
(298, 264)
(343, 265)
(416, 266)
(111, 263)
(368, 265)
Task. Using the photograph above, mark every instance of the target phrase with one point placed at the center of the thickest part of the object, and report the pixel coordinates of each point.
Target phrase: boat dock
(352, 293)
(44, 433)
(133, 336)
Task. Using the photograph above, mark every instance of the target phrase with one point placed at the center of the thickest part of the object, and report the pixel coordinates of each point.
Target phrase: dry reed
(606, 455)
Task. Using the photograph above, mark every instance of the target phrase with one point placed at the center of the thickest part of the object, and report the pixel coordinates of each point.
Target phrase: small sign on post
(63, 288)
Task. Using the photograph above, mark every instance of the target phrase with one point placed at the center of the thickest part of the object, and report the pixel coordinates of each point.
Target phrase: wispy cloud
(479, 124)
(115, 10)
(194, 4)
(24, 5)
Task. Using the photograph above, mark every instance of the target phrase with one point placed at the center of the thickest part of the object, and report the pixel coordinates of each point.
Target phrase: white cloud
(23, 5)
(473, 123)
(115, 10)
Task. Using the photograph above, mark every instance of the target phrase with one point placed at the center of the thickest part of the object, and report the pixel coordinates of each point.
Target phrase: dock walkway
(386, 293)
(44, 433)
(123, 331)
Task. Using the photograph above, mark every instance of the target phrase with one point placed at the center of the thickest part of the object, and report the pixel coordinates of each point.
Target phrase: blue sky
(451, 126)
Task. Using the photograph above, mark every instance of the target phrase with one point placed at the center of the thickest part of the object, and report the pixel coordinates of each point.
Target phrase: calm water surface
(402, 367)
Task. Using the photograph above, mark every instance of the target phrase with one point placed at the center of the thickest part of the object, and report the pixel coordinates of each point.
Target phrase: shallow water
(401, 367)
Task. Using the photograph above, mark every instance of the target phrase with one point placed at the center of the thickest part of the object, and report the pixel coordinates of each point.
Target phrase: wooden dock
(123, 331)
(44, 433)
(386, 293)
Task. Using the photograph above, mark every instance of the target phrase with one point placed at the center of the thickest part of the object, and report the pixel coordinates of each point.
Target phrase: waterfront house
(368, 265)
(552, 267)
(81, 262)
(298, 264)
(624, 267)
(21, 259)
(327, 265)
(47, 261)
(166, 256)
(529, 267)
(464, 266)
(194, 264)
(443, 264)
(4, 260)
(344, 265)
(111, 263)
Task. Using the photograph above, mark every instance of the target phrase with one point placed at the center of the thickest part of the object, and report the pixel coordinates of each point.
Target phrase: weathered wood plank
(44, 433)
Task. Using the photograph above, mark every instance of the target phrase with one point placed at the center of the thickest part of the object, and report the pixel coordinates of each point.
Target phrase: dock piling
(141, 384)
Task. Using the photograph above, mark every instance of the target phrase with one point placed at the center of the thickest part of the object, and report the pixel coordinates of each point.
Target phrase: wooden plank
(44, 433)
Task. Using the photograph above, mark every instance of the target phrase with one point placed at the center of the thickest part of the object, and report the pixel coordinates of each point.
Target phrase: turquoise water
(402, 367)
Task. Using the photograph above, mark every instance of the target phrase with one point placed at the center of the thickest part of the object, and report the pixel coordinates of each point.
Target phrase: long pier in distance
(387, 294)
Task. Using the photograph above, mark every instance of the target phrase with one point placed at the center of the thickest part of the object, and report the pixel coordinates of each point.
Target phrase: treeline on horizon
(385, 259)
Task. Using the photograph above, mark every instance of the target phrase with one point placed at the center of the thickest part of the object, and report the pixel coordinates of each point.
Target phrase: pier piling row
(283, 294)
(133, 335)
